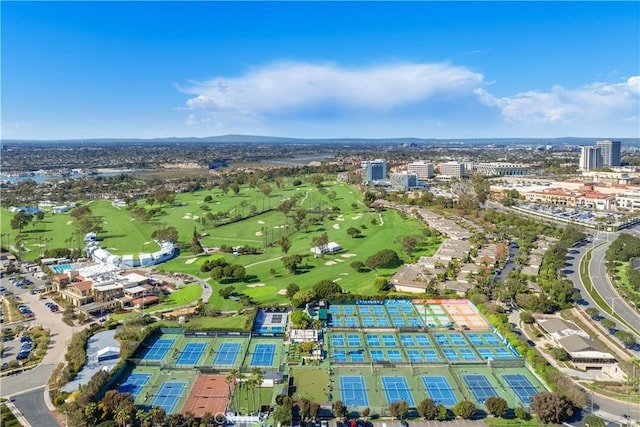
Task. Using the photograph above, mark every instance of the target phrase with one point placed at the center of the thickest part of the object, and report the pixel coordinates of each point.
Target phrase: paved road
(600, 279)
(32, 406)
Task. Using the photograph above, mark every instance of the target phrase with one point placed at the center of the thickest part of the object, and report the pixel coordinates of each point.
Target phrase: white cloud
(590, 104)
(288, 87)
(399, 98)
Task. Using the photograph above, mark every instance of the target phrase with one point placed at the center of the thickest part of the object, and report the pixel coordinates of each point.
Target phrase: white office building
(403, 180)
(590, 158)
(452, 169)
(501, 169)
(374, 170)
(423, 169)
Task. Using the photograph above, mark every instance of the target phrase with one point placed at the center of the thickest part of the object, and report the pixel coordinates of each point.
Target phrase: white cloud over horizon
(297, 91)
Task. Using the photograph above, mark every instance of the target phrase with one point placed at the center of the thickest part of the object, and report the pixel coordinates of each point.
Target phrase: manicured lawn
(311, 383)
(235, 322)
(623, 281)
(185, 295)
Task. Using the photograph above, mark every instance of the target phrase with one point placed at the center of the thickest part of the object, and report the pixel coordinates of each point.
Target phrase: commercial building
(423, 169)
(403, 180)
(452, 169)
(374, 170)
(590, 158)
(610, 152)
(501, 169)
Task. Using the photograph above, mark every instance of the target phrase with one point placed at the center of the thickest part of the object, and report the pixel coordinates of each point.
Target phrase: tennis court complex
(439, 390)
(353, 391)
(191, 353)
(168, 396)
(396, 389)
(159, 349)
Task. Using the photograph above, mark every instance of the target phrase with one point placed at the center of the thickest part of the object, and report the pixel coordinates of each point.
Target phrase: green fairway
(334, 209)
(185, 295)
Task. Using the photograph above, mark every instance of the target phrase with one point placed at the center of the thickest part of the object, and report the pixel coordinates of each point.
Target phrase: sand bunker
(280, 226)
(336, 226)
(260, 222)
(146, 243)
(71, 222)
(282, 292)
(344, 274)
(357, 217)
(255, 285)
(190, 261)
(258, 233)
(348, 255)
(330, 263)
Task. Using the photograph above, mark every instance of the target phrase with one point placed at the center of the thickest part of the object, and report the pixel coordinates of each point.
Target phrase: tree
(442, 412)
(300, 319)
(292, 288)
(427, 409)
(166, 234)
(339, 410)
(385, 258)
(321, 241)
(609, 324)
(354, 232)
(559, 353)
(285, 244)
(314, 407)
(593, 421)
(39, 215)
(292, 263)
(366, 412)
(526, 317)
(464, 409)
(326, 289)
(316, 180)
(303, 297)
(303, 408)
(592, 312)
(496, 406)
(381, 283)
(551, 407)
(158, 416)
(226, 292)
(521, 413)
(357, 266)
(399, 409)
(409, 244)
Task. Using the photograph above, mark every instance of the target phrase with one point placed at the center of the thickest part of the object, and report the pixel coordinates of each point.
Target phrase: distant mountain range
(257, 139)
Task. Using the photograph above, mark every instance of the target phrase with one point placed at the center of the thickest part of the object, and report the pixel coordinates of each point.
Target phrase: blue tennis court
(414, 356)
(407, 340)
(441, 339)
(191, 353)
(395, 356)
(354, 340)
(485, 352)
(357, 356)
(367, 322)
(336, 322)
(134, 384)
(398, 322)
(431, 356)
(263, 354)
(227, 354)
(475, 339)
(377, 355)
(414, 321)
(378, 310)
(168, 396)
(457, 339)
(450, 354)
(396, 389)
(439, 390)
(351, 322)
(480, 387)
(467, 354)
(389, 340)
(521, 386)
(340, 356)
(502, 352)
(159, 349)
(423, 340)
(353, 391)
(337, 340)
(382, 322)
(490, 338)
(373, 340)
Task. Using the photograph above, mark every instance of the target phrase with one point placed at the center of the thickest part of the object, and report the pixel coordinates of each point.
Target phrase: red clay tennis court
(210, 393)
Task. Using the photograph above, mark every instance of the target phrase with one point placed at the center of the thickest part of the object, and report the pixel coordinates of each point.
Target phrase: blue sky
(320, 69)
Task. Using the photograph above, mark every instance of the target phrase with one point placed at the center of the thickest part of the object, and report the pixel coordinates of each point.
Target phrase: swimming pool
(58, 269)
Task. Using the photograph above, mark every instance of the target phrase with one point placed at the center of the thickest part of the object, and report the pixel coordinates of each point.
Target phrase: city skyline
(74, 70)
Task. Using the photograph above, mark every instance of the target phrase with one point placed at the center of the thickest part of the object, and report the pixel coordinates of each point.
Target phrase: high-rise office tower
(374, 170)
(590, 158)
(610, 152)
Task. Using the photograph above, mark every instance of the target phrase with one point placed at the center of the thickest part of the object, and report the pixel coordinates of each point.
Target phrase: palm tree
(143, 417)
(242, 382)
(258, 376)
(158, 416)
(122, 415)
(232, 378)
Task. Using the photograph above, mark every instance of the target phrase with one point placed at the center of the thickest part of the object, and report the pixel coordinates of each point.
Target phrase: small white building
(331, 248)
(304, 335)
